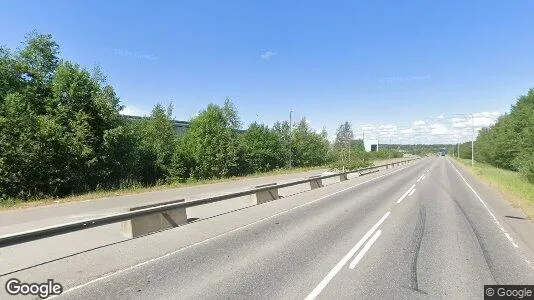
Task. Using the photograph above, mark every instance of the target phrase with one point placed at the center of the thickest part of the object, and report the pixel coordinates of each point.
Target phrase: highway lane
(60, 257)
(36, 217)
(439, 240)
(415, 232)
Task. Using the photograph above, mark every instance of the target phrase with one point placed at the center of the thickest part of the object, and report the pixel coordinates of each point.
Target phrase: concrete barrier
(316, 183)
(267, 195)
(141, 225)
(342, 177)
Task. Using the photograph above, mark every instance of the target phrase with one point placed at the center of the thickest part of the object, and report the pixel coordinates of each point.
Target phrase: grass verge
(137, 189)
(513, 187)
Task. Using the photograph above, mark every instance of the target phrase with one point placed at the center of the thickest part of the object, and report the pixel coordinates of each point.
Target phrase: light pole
(472, 137)
(458, 144)
(290, 125)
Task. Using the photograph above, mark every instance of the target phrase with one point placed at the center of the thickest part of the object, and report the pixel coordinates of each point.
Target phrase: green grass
(133, 188)
(509, 184)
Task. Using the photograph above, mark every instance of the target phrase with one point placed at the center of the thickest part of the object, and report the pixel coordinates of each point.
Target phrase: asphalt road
(425, 230)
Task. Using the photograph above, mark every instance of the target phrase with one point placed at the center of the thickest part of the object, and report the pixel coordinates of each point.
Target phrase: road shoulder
(515, 219)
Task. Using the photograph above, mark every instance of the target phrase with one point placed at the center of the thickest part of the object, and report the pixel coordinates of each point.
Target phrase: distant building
(180, 127)
(370, 145)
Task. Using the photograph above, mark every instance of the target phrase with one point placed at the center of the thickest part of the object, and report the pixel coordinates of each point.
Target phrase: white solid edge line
(111, 274)
(411, 193)
(487, 208)
(317, 290)
(364, 250)
(405, 194)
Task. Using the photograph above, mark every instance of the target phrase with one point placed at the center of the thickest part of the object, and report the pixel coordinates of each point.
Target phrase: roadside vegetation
(509, 143)
(510, 184)
(62, 134)
(504, 154)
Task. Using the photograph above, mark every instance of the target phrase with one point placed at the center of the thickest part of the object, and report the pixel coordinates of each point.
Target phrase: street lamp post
(458, 144)
(290, 125)
(472, 137)
(472, 141)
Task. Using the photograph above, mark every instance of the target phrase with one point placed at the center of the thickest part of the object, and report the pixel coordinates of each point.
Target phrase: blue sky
(377, 64)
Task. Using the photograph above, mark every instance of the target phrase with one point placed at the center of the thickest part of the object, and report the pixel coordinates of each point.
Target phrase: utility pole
(473, 141)
(389, 155)
(472, 137)
(458, 143)
(290, 125)
(348, 144)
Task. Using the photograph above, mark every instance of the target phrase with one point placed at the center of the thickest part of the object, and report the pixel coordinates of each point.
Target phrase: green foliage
(53, 117)
(384, 154)
(212, 143)
(308, 148)
(348, 153)
(182, 164)
(282, 132)
(156, 142)
(263, 148)
(61, 133)
(509, 143)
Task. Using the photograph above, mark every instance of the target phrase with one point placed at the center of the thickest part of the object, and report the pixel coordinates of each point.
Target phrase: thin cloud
(442, 130)
(418, 123)
(267, 55)
(122, 52)
(133, 111)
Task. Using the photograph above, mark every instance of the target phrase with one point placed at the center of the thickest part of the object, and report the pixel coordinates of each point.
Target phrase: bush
(525, 166)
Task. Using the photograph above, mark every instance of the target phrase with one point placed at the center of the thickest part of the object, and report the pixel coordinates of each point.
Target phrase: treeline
(509, 143)
(419, 149)
(61, 133)
(348, 153)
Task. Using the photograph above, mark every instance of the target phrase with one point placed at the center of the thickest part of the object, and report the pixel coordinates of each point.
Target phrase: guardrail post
(140, 220)
(267, 195)
(316, 183)
(145, 224)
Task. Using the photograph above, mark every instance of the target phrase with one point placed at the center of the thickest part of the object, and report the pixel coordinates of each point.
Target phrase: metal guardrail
(36, 234)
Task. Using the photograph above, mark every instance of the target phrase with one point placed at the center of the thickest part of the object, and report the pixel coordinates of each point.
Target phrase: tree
(342, 144)
(344, 133)
(282, 133)
(54, 119)
(156, 144)
(212, 144)
(39, 56)
(230, 115)
(309, 148)
(508, 144)
(263, 148)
